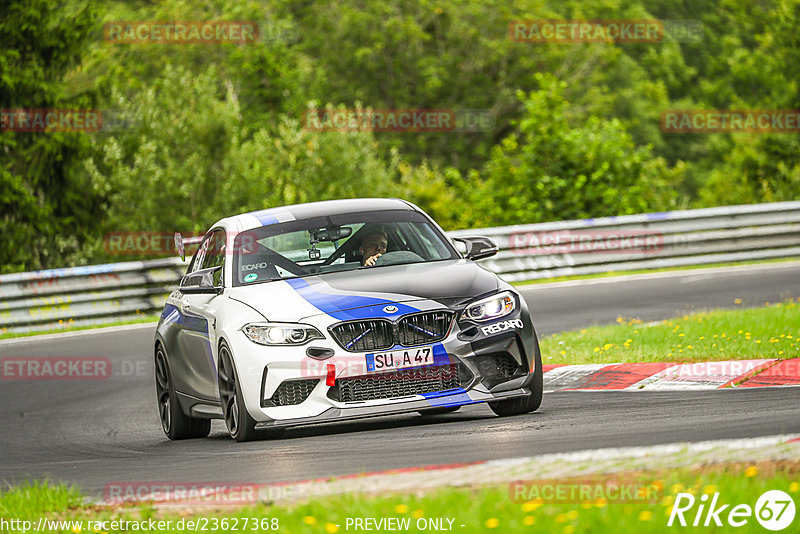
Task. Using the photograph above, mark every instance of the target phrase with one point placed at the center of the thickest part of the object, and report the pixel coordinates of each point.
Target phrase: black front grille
(396, 384)
(292, 392)
(373, 334)
(423, 328)
(377, 334)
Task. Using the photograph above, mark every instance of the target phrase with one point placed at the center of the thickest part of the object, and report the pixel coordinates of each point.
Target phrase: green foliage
(202, 162)
(45, 199)
(566, 167)
(214, 129)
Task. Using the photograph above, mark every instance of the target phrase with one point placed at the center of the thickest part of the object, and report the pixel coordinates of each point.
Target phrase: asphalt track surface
(91, 433)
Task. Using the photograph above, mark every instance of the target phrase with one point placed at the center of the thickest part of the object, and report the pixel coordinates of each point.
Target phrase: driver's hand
(371, 260)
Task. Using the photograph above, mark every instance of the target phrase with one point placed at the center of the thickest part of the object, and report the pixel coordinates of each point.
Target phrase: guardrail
(120, 291)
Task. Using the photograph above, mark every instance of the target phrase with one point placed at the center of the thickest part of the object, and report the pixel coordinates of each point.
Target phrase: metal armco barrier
(119, 291)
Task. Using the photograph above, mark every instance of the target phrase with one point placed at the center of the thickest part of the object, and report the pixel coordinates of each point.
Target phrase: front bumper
(453, 397)
(284, 387)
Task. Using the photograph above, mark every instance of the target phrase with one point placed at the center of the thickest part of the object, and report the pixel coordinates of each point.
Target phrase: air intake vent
(291, 392)
(396, 384)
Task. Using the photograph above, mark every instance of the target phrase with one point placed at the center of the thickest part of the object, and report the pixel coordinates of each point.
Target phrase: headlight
(490, 308)
(280, 333)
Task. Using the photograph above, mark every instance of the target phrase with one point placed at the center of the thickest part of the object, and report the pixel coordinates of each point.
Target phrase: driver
(372, 247)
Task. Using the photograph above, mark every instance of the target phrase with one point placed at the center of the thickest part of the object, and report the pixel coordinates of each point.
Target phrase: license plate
(400, 359)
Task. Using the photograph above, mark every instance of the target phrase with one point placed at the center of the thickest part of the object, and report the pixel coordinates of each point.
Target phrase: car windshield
(336, 243)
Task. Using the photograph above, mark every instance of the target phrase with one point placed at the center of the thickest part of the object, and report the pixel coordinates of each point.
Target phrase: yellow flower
(401, 509)
(563, 352)
(677, 488)
(572, 514)
(681, 334)
(418, 513)
(628, 341)
(711, 488)
(492, 522)
(569, 529)
(310, 520)
(667, 501)
(330, 528)
(530, 506)
(794, 487)
(597, 349)
(737, 301)
(561, 518)
(600, 503)
(76, 530)
(751, 471)
(529, 520)
(645, 515)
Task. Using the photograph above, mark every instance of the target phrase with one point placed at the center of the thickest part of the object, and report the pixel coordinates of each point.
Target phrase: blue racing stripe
(347, 307)
(450, 397)
(265, 217)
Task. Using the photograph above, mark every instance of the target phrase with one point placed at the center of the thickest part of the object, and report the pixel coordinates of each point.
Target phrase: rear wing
(181, 243)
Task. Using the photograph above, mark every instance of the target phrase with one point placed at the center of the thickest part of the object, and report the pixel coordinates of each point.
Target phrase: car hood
(369, 290)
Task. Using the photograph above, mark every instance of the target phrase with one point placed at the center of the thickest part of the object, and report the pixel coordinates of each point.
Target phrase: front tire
(241, 426)
(528, 403)
(174, 422)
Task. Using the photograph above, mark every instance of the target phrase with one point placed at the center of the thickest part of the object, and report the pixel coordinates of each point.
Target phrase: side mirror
(477, 247)
(203, 281)
(181, 242)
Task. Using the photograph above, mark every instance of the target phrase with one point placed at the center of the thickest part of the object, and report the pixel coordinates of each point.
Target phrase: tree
(46, 199)
(562, 166)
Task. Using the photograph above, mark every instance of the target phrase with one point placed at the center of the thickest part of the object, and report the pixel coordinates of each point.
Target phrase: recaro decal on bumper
(501, 326)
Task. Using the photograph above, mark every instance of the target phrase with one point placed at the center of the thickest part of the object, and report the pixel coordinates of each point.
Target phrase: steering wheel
(399, 256)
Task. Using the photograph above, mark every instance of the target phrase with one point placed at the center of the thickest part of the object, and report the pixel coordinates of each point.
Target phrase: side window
(197, 261)
(215, 250)
(215, 254)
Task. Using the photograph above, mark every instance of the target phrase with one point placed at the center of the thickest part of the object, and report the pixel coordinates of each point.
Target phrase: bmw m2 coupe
(339, 310)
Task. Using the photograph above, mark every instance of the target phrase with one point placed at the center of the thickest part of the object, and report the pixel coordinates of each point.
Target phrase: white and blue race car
(339, 310)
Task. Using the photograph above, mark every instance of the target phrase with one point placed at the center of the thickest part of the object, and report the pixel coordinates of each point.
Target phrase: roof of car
(255, 219)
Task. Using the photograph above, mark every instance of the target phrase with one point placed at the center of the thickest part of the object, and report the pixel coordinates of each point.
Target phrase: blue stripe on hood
(347, 307)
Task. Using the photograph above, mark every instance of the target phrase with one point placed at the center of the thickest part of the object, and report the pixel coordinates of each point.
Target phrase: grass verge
(771, 331)
(610, 274)
(499, 508)
(152, 318)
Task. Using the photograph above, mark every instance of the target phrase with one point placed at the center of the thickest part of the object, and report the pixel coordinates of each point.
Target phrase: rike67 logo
(774, 510)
